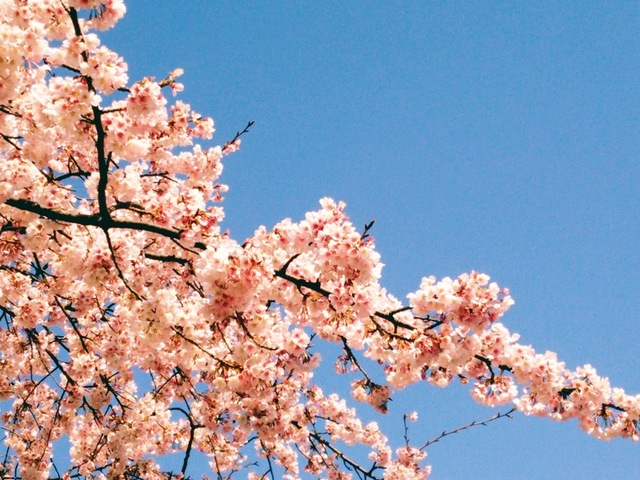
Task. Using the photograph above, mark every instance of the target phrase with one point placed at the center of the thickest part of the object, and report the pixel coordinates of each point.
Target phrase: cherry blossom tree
(133, 327)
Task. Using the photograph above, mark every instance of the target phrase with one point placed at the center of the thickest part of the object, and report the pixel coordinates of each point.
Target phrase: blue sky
(499, 137)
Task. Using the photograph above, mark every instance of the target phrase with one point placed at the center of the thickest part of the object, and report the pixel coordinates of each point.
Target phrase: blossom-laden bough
(134, 327)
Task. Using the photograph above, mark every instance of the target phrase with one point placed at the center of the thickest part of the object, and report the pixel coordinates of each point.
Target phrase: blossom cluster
(132, 327)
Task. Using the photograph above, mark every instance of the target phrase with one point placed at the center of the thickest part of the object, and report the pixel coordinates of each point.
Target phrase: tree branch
(300, 282)
(94, 220)
(238, 135)
(468, 426)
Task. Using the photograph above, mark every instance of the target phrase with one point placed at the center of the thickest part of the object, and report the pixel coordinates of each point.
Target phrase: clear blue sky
(500, 137)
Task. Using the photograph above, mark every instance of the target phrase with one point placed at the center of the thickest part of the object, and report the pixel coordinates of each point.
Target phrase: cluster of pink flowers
(132, 326)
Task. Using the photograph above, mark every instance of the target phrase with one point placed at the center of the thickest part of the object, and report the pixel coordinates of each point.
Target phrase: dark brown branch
(379, 328)
(73, 322)
(241, 321)
(116, 395)
(33, 207)
(406, 430)
(166, 258)
(103, 167)
(317, 287)
(10, 140)
(165, 232)
(118, 269)
(132, 207)
(489, 365)
(487, 362)
(94, 220)
(300, 282)
(9, 227)
(389, 317)
(73, 14)
(192, 429)
(7, 109)
(367, 227)
(63, 177)
(468, 426)
(239, 134)
(352, 358)
(611, 405)
(60, 367)
(339, 454)
(203, 350)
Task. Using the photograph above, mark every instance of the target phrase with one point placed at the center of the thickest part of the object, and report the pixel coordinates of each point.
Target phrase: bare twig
(475, 423)
(367, 228)
(239, 134)
(352, 358)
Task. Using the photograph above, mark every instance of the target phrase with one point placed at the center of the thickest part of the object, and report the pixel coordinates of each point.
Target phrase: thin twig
(475, 423)
(367, 228)
(239, 134)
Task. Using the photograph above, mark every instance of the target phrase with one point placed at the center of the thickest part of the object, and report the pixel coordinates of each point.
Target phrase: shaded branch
(352, 358)
(390, 317)
(166, 258)
(192, 429)
(239, 318)
(95, 220)
(300, 282)
(10, 140)
(488, 363)
(177, 329)
(118, 269)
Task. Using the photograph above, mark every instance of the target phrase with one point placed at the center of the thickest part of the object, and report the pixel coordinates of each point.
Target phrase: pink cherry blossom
(132, 327)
